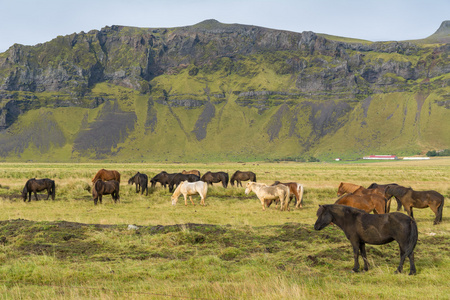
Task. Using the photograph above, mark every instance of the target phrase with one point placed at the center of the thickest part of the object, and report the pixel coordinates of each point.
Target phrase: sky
(30, 22)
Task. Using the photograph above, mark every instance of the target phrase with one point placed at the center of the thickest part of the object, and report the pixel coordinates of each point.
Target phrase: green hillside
(215, 92)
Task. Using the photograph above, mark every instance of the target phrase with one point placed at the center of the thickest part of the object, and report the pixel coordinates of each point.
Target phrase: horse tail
(53, 190)
(440, 209)
(205, 190)
(300, 193)
(412, 240)
(226, 180)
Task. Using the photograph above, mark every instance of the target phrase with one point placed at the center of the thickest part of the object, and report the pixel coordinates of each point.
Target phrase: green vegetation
(71, 249)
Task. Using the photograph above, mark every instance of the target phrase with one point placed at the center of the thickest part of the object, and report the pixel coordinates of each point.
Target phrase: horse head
(324, 217)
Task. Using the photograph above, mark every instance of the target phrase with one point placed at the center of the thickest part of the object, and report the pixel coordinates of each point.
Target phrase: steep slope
(217, 91)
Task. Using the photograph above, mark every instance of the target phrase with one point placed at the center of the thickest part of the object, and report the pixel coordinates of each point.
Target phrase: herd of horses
(350, 212)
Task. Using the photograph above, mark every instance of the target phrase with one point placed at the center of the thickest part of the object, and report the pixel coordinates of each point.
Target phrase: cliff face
(209, 67)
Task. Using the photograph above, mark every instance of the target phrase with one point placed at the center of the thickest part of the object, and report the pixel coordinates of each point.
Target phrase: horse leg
(402, 260)
(399, 204)
(412, 266)
(362, 248)
(35, 196)
(29, 197)
(263, 203)
(435, 210)
(190, 198)
(185, 199)
(356, 247)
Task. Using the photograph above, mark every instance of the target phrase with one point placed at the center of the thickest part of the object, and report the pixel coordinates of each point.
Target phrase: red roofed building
(381, 157)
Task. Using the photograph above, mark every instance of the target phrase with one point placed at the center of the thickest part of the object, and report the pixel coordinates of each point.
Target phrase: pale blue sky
(30, 22)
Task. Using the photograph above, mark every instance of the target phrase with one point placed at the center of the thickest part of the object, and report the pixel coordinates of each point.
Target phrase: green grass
(229, 249)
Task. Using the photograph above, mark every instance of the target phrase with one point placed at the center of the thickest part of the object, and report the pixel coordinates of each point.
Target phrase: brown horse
(419, 199)
(295, 190)
(106, 175)
(381, 188)
(355, 189)
(361, 228)
(239, 176)
(195, 172)
(101, 188)
(368, 203)
(34, 185)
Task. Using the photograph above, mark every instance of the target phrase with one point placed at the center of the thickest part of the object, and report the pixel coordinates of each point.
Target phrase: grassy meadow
(228, 249)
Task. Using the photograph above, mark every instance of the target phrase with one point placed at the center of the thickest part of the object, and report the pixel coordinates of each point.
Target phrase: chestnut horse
(368, 203)
(355, 189)
(267, 193)
(419, 199)
(361, 228)
(195, 172)
(295, 190)
(106, 175)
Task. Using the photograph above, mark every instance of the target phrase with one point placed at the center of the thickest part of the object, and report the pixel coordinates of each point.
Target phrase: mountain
(215, 91)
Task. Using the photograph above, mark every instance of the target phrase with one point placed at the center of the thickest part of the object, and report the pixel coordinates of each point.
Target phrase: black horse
(239, 176)
(110, 187)
(141, 182)
(361, 228)
(164, 178)
(34, 185)
(173, 184)
(210, 178)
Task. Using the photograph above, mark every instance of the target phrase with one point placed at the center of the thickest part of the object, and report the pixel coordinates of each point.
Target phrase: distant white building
(381, 157)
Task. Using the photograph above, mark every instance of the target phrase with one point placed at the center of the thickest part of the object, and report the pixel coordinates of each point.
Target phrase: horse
(355, 189)
(141, 181)
(361, 228)
(188, 189)
(195, 172)
(368, 203)
(106, 175)
(163, 178)
(34, 185)
(239, 176)
(266, 194)
(110, 187)
(295, 190)
(419, 199)
(210, 178)
(381, 188)
(178, 178)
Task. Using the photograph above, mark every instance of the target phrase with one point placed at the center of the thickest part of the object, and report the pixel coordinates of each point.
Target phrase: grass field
(229, 249)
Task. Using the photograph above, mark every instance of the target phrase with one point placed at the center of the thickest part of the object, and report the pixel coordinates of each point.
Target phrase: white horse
(189, 189)
(269, 193)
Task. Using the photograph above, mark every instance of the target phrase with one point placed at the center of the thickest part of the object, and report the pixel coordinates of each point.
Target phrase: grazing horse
(295, 190)
(106, 175)
(141, 182)
(163, 178)
(381, 188)
(354, 189)
(239, 176)
(188, 189)
(178, 178)
(211, 177)
(419, 199)
(361, 228)
(266, 194)
(368, 203)
(195, 172)
(110, 187)
(34, 185)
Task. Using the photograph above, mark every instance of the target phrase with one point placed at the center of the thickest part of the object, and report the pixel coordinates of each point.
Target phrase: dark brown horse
(110, 187)
(215, 177)
(368, 203)
(295, 190)
(195, 172)
(106, 175)
(239, 176)
(141, 182)
(361, 228)
(381, 188)
(34, 185)
(178, 178)
(163, 178)
(419, 199)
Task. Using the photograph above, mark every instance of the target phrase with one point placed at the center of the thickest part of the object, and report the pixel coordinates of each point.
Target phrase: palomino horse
(195, 172)
(106, 175)
(295, 190)
(34, 185)
(239, 176)
(188, 189)
(141, 182)
(110, 187)
(267, 193)
(215, 177)
(419, 199)
(361, 228)
(368, 202)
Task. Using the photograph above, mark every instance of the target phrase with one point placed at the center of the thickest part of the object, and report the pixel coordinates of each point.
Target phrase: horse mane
(349, 187)
(397, 191)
